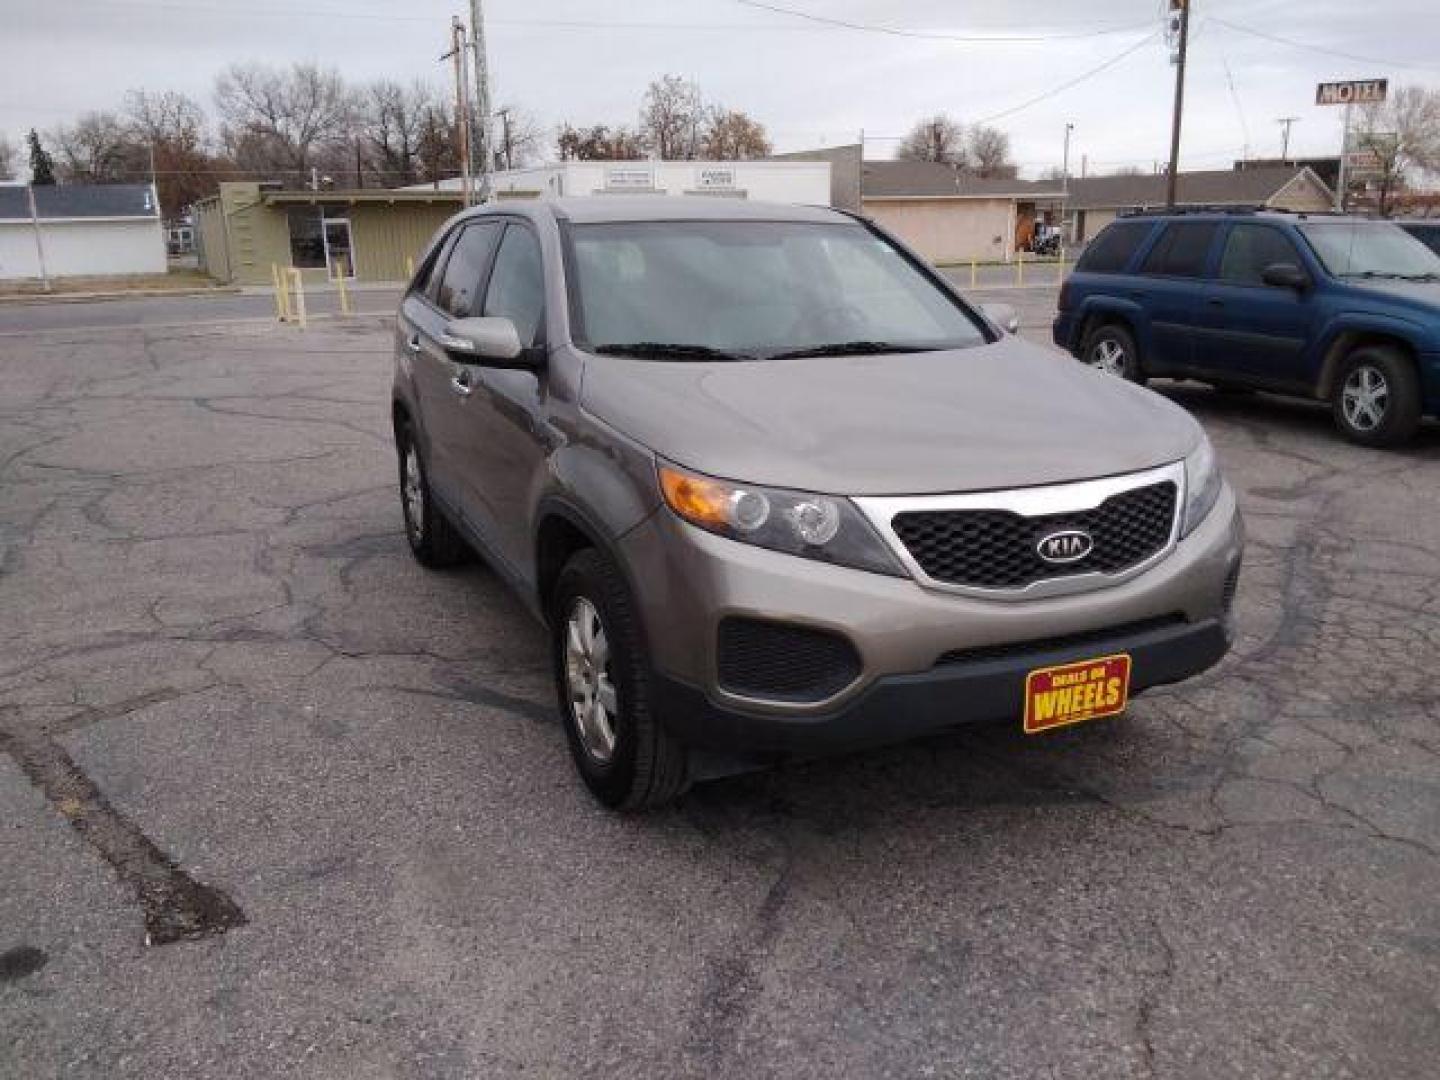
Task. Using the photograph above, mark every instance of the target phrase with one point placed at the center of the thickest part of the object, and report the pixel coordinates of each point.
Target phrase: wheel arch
(561, 530)
(1346, 340)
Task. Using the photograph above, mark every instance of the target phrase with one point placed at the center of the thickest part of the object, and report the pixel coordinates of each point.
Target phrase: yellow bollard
(1019, 268)
(973, 268)
(1060, 274)
(282, 293)
(299, 284)
(342, 268)
(409, 266)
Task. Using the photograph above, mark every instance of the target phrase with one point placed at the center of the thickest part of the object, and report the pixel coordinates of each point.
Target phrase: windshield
(1370, 249)
(756, 289)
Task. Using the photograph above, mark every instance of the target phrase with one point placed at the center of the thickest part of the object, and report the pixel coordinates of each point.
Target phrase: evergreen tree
(42, 166)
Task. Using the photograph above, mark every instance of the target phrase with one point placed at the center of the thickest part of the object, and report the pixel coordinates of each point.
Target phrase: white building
(80, 230)
(806, 182)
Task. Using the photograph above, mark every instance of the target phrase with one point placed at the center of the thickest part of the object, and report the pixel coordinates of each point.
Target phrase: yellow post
(282, 295)
(1060, 274)
(341, 269)
(972, 273)
(299, 296)
(1019, 268)
(409, 266)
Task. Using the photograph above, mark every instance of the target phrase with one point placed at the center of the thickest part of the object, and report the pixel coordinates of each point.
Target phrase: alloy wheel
(413, 492)
(1108, 355)
(1365, 398)
(589, 687)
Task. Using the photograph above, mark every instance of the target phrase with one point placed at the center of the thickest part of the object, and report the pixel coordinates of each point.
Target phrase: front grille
(1067, 642)
(783, 662)
(995, 549)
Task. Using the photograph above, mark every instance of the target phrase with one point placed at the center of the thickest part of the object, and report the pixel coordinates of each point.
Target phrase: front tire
(627, 759)
(1377, 397)
(1111, 348)
(433, 540)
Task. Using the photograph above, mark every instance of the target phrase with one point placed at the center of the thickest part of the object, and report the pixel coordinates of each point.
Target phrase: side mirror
(1284, 276)
(1003, 316)
(491, 340)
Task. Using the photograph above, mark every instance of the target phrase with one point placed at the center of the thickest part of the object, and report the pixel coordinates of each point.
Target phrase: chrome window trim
(1029, 502)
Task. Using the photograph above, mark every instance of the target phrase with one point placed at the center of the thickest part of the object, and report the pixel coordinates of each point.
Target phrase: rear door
(1251, 332)
(452, 292)
(1171, 277)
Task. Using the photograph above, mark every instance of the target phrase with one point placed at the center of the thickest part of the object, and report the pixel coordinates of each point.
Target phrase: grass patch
(108, 283)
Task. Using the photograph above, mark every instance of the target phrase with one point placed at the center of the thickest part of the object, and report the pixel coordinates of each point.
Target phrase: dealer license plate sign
(1064, 695)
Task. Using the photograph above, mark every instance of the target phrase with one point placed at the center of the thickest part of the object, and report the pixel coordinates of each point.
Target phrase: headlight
(797, 522)
(1202, 485)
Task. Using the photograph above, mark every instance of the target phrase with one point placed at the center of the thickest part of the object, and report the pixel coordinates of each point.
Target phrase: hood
(1008, 414)
(1421, 295)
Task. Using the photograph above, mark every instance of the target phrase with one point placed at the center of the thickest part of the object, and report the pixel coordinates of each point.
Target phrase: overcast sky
(590, 60)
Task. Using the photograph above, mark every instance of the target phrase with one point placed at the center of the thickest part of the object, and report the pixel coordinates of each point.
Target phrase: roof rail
(1193, 208)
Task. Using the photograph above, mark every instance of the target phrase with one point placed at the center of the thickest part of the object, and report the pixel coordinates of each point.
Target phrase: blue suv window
(1181, 249)
(1249, 249)
(1109, 253)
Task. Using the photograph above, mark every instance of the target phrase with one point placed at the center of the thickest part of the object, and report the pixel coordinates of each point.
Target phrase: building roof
(933, 180)
(363, 195)
(598, 208)
(1216, 187)
(60, 201)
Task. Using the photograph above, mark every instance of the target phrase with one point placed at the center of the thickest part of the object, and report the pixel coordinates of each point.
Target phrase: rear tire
(1111, 348)
(434, 542)
(626, 757)
(1376, 400)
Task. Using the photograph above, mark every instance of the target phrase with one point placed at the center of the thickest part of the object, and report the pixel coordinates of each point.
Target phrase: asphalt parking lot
(275, 802)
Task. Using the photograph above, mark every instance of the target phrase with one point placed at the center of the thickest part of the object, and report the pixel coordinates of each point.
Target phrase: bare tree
(937, 138)
(989, 151)
(598, 143)
(1128, 170)
(392, 122)
(437, 151)
(1403, 135)
(171, 129)
(518, 137)
(99, 149)
(730, 135)
(9, 155)
(671, 117)
(284, 121)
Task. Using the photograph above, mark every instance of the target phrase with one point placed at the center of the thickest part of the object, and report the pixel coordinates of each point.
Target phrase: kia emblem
(1065, 546)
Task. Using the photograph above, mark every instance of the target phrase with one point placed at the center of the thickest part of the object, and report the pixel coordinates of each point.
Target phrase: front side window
(460, 280)
(758, 289)
(517, 283)
(1370, 249)
(1181, 249)
(1110, 252)
(1249, 249)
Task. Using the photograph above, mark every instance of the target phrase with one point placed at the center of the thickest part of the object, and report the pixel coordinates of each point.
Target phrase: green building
(368, 235)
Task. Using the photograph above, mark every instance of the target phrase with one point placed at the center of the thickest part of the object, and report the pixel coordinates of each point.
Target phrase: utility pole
(462, 105)
(482, 98)
(1343, 179)
(1172, 177)
(1285, 122)
(505, 143)
(1065, 166)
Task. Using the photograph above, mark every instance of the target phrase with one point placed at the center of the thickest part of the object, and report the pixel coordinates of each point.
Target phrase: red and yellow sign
(1067, 694)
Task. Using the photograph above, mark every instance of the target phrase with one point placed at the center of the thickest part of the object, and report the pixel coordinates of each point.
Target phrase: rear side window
(460, 281)
(1181, 249)
(1110, 252)
(1249, 249)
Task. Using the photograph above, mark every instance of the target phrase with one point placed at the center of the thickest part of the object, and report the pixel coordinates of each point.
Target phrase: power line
(1317, 48)
(926, 35)
(1056, 90)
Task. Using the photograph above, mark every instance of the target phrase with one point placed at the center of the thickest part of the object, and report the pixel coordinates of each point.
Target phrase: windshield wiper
(850, 348)
(678, 350)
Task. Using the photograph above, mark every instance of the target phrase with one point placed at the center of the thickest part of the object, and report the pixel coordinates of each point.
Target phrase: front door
(502, 442)
(339, 251)
(1249, 331)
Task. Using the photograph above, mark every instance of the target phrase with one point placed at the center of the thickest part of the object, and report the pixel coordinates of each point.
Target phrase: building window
(307, 236)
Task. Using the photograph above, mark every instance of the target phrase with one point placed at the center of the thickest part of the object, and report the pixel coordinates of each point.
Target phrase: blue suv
(1313, 305)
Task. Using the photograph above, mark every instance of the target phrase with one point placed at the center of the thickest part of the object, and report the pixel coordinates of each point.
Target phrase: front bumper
(899, 707)
(686, 581)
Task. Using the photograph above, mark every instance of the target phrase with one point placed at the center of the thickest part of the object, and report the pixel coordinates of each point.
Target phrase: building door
(339, 252)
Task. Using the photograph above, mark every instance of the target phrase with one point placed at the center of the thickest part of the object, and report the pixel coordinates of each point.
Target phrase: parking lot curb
(128, 294)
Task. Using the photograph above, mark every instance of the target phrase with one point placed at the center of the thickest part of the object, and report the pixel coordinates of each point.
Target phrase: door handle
(413, 343)
(461, 384)
(1215, 301)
